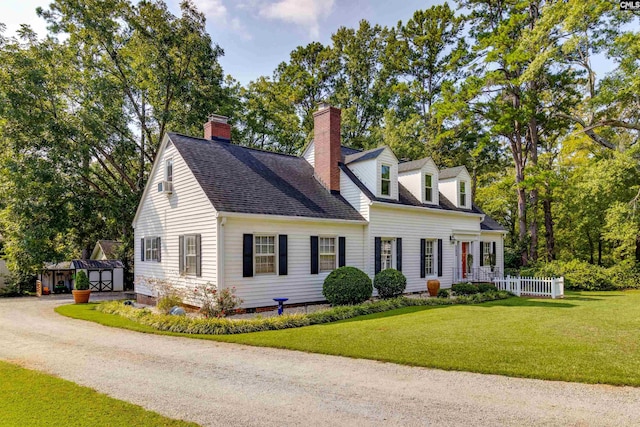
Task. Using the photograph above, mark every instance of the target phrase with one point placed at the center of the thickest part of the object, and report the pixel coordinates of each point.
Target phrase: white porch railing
(533, 286)
(476, 274)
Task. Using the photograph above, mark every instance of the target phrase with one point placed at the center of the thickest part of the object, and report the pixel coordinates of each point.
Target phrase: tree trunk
(600, 250)
(590, 248)
(522, 212)
(548, 227)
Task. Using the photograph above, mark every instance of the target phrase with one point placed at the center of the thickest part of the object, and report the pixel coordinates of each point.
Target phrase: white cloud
(304, 13)
(215, 11)
(212, 9)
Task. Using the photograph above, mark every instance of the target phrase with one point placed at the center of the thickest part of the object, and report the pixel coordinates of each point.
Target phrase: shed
(104, 275)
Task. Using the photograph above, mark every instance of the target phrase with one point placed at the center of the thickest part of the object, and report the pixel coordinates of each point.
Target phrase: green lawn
(31, 398)
(589, 337)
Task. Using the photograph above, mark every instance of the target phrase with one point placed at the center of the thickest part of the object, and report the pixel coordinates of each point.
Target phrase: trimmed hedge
(224, 326)
(390, 283)
(580, 275)
(347, 285)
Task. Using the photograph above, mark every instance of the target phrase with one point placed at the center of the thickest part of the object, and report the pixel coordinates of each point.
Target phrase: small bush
(214, 303)
(347, 285)
(464, 289)
(444, 293)
(486, 287)
(82, 281)
(167, 302)
(390, 283)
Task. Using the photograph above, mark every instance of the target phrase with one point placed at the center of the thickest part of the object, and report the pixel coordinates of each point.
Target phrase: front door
(465, 252)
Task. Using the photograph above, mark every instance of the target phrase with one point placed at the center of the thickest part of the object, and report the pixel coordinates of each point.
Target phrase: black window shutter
(399, 254)
(247, 255)
(440, 257)
(181, 254)
(481, 254)
(159, 243)
(315, 257)
(198, 256)
(493, 251)
(282, 255)
(423, 243)
(378, 254)
(142, 249)
(342, 251)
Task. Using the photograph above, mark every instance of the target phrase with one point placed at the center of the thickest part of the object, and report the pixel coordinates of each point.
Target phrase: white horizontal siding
(365, 171)
(310, 154)
(186, 211)
(354, 196)
(411, 226)
(412, 181)
(299, 285)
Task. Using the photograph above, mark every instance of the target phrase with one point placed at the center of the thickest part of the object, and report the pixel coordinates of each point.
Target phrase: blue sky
(258, 34)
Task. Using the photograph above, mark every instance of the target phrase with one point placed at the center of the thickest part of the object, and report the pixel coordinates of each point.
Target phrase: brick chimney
(326, 141)
(217, 128)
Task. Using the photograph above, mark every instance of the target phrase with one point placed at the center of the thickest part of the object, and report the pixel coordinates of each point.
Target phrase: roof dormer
(455, 185)
(378, 171)
(421, 177)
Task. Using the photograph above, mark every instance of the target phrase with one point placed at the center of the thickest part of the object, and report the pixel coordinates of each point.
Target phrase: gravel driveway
(228, 384)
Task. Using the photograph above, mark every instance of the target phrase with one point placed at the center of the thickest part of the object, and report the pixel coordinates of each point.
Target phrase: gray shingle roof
(451, 172)
(241, 179)
(363, 155)
(412, 165)
(96, 263)
(109, 247)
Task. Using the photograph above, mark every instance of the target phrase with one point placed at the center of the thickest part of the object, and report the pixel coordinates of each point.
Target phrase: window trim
(392, 259)
(461, 185)
(383, 179)
(186, 256)
(256, 236)
(434, 257)
(430, 199)
(149, 243)
(168, 162)
(335, 253)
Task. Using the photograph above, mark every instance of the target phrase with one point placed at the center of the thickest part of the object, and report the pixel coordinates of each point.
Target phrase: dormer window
(463, 193)
(385, 180)
(428, 188)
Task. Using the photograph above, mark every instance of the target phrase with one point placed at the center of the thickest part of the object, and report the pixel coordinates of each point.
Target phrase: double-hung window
(429, 257)
(428, 188)
(463, 193)
(151, 249)
(190, 255)
(486, 253)
(265, 254)
(169, 170)
(327, 253)
(385, 180)
(386, 254)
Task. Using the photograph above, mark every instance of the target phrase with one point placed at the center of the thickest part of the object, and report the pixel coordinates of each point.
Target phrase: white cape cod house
(275, 225)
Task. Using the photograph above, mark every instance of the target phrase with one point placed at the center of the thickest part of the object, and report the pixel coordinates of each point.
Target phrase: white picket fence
(532, 286)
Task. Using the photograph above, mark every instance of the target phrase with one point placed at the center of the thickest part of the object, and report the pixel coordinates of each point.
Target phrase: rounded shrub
(487, 287)
(347, 285)
(444, 293)
(82, 281)
(390, 283)
(464, 289)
